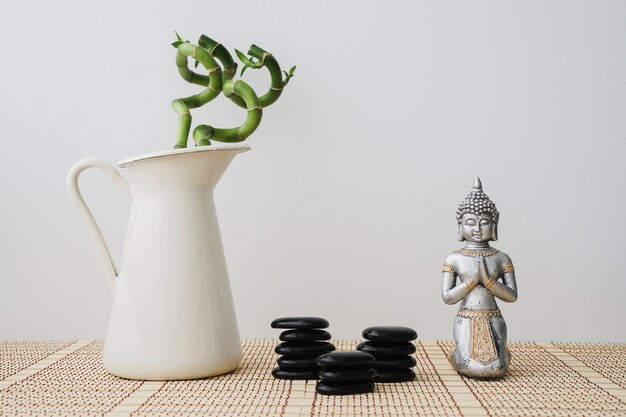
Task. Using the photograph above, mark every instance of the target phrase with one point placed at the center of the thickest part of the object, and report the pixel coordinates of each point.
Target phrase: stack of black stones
(302, 342)
(393, 348)
(345, 373)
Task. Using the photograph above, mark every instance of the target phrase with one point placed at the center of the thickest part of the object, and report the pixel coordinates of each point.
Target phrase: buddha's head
(477, 216)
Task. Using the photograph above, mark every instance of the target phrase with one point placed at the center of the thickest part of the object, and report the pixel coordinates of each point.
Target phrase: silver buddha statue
(476, 275)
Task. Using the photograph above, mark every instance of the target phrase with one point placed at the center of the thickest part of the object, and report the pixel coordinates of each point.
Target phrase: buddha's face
(477, 228)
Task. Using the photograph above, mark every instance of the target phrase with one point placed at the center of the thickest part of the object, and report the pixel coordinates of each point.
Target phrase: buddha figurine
(476, 275)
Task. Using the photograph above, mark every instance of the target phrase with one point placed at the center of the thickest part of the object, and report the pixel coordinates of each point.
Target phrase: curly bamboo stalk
(221, 80)
(276, 85)
(204, 133)
(212, 82)
(218, 51)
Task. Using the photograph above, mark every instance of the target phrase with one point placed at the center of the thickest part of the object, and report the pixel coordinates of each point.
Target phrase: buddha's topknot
(477, 203)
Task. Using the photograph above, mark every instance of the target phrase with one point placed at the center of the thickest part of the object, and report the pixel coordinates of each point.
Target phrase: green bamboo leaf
(195, 65)
(286, 74)
(178, 41)
(243, 69)
(243, 58)
(292, 70)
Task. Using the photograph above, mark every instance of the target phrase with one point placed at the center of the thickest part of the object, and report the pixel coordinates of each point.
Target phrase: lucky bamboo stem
(230, 66)
(277, 84)
(221, 80)
(255, 113)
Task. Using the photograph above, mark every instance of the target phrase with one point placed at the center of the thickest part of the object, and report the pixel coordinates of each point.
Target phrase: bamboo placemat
(545, 379)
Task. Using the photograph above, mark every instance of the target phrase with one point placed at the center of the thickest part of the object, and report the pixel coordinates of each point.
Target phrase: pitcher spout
(188, 167)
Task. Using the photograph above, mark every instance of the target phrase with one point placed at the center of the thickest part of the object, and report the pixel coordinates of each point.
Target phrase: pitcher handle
(75, 194)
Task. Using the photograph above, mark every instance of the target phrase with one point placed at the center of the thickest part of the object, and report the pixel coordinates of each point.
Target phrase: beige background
(345, 206)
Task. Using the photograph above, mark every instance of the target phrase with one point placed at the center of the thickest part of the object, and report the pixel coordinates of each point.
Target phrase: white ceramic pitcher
(173, 315)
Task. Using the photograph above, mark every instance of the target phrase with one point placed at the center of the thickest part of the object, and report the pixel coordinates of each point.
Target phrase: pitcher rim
(160, 154)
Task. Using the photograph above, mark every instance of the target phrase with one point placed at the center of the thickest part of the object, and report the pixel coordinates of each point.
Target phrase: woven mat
(545, 379)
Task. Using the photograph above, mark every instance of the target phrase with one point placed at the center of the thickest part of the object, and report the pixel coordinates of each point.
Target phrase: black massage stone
(344, 388)
(304, 335)
(345, 358)
(347, 374)
(304, 373)
(304, 348)
(300, 323)
(395, 362)
(389, 334)
(394, 375)
(297, 362)
(387, 348)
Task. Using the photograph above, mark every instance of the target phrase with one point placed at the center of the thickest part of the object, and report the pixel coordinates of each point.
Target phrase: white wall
(345, 206)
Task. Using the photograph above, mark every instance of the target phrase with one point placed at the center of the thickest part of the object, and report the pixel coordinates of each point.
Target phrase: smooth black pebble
(389, 334)
(304, 348)
(345, 358)
(297, 362)
(348, 374)
(300, 323)
(403, 362)
(394, 375)
(304, 373)
(386, 349)
(344, 388)
(304, 335)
